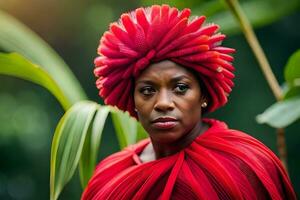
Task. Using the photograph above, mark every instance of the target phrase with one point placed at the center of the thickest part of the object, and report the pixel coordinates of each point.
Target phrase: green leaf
(91, 146)
(16, 37)
(281, 114)
(292, 70)
(67, 144)
(292, 92)
(292, 76)
(286, 112)
(125, 126)
(15, 65)
(141, 133)
(128, 131)
(259, 13)
(209, 8)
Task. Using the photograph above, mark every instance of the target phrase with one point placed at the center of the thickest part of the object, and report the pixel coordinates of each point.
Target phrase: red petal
(224, 50)
(109, 52)
(203, 39)
(155, 13)
(194, 25)
(173, 33)
(201, 56)
(185, 13)
(187, 51)
(216, 38)
(128, 25)
(209, 30)
(115, 93)
(141, 19)
(226, 57)
(121, 34)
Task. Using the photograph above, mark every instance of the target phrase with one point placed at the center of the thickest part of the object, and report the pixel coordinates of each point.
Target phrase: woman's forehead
(164, 70)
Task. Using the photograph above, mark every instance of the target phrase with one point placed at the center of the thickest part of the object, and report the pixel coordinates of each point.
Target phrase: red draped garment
(221, 163)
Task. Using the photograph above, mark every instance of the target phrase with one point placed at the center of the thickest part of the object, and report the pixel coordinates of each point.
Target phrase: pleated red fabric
(221, 163)
(157, 33)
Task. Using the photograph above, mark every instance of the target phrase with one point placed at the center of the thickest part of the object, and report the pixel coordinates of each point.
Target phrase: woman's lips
(164, 123)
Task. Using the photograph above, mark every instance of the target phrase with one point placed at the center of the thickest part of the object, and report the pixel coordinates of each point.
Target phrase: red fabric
(157, 33)
(219, 164)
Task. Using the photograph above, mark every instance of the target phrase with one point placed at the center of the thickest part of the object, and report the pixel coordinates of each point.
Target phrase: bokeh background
(29, 113)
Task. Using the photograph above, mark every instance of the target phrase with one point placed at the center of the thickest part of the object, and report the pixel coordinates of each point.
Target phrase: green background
(29, 114)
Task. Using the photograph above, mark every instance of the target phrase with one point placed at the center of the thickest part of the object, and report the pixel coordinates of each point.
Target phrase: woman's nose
(164, 102)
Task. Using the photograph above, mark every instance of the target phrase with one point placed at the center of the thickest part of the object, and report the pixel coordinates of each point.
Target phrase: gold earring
(204, 105)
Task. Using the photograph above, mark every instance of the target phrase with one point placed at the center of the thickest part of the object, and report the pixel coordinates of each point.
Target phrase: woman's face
(168, 101)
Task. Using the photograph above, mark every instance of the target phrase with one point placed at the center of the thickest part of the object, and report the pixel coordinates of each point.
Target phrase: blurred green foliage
(15, 65)
(15, 37)
(73, 28)
(287, 111)
(68, 143)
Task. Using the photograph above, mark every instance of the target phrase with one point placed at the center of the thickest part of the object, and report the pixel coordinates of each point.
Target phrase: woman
(167, 71)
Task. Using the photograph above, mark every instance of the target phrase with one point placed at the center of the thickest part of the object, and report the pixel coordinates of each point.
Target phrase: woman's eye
(181, 88)
(147, 91)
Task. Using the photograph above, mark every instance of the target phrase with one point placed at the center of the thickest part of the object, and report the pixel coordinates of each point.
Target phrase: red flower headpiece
(158, 33)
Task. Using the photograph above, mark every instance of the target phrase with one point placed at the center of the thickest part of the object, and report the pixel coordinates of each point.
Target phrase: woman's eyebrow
(145, 82)
(179, 78)
(173, 79)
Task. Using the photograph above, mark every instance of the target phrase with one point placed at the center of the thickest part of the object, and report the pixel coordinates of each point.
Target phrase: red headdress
(158, 33)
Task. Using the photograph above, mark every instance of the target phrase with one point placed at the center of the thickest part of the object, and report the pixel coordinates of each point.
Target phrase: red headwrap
(157, 33)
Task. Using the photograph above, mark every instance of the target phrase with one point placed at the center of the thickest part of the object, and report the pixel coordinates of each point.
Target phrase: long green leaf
(281, 114)
(125, 126)
(68, 143)
(128, 131)
(15, 65)
(91, 146)
(141, 133)
(16, 37)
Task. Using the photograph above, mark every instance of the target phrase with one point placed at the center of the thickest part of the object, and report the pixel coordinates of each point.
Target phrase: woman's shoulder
(239, 154)
(221, 130)
(125, 155)
(231, 141)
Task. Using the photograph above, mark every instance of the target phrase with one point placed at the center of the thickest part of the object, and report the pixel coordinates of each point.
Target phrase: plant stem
(255, 46)
(252, 40)
(281, 146)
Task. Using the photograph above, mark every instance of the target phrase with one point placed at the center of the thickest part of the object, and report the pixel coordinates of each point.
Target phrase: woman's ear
(204, 104)
(203, 101)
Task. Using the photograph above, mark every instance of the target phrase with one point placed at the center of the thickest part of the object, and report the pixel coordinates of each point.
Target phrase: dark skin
(168, 102)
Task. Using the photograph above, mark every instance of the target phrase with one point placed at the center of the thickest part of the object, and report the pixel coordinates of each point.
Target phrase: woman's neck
(156, 150)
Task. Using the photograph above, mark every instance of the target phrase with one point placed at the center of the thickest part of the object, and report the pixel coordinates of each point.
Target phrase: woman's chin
(164, 136)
